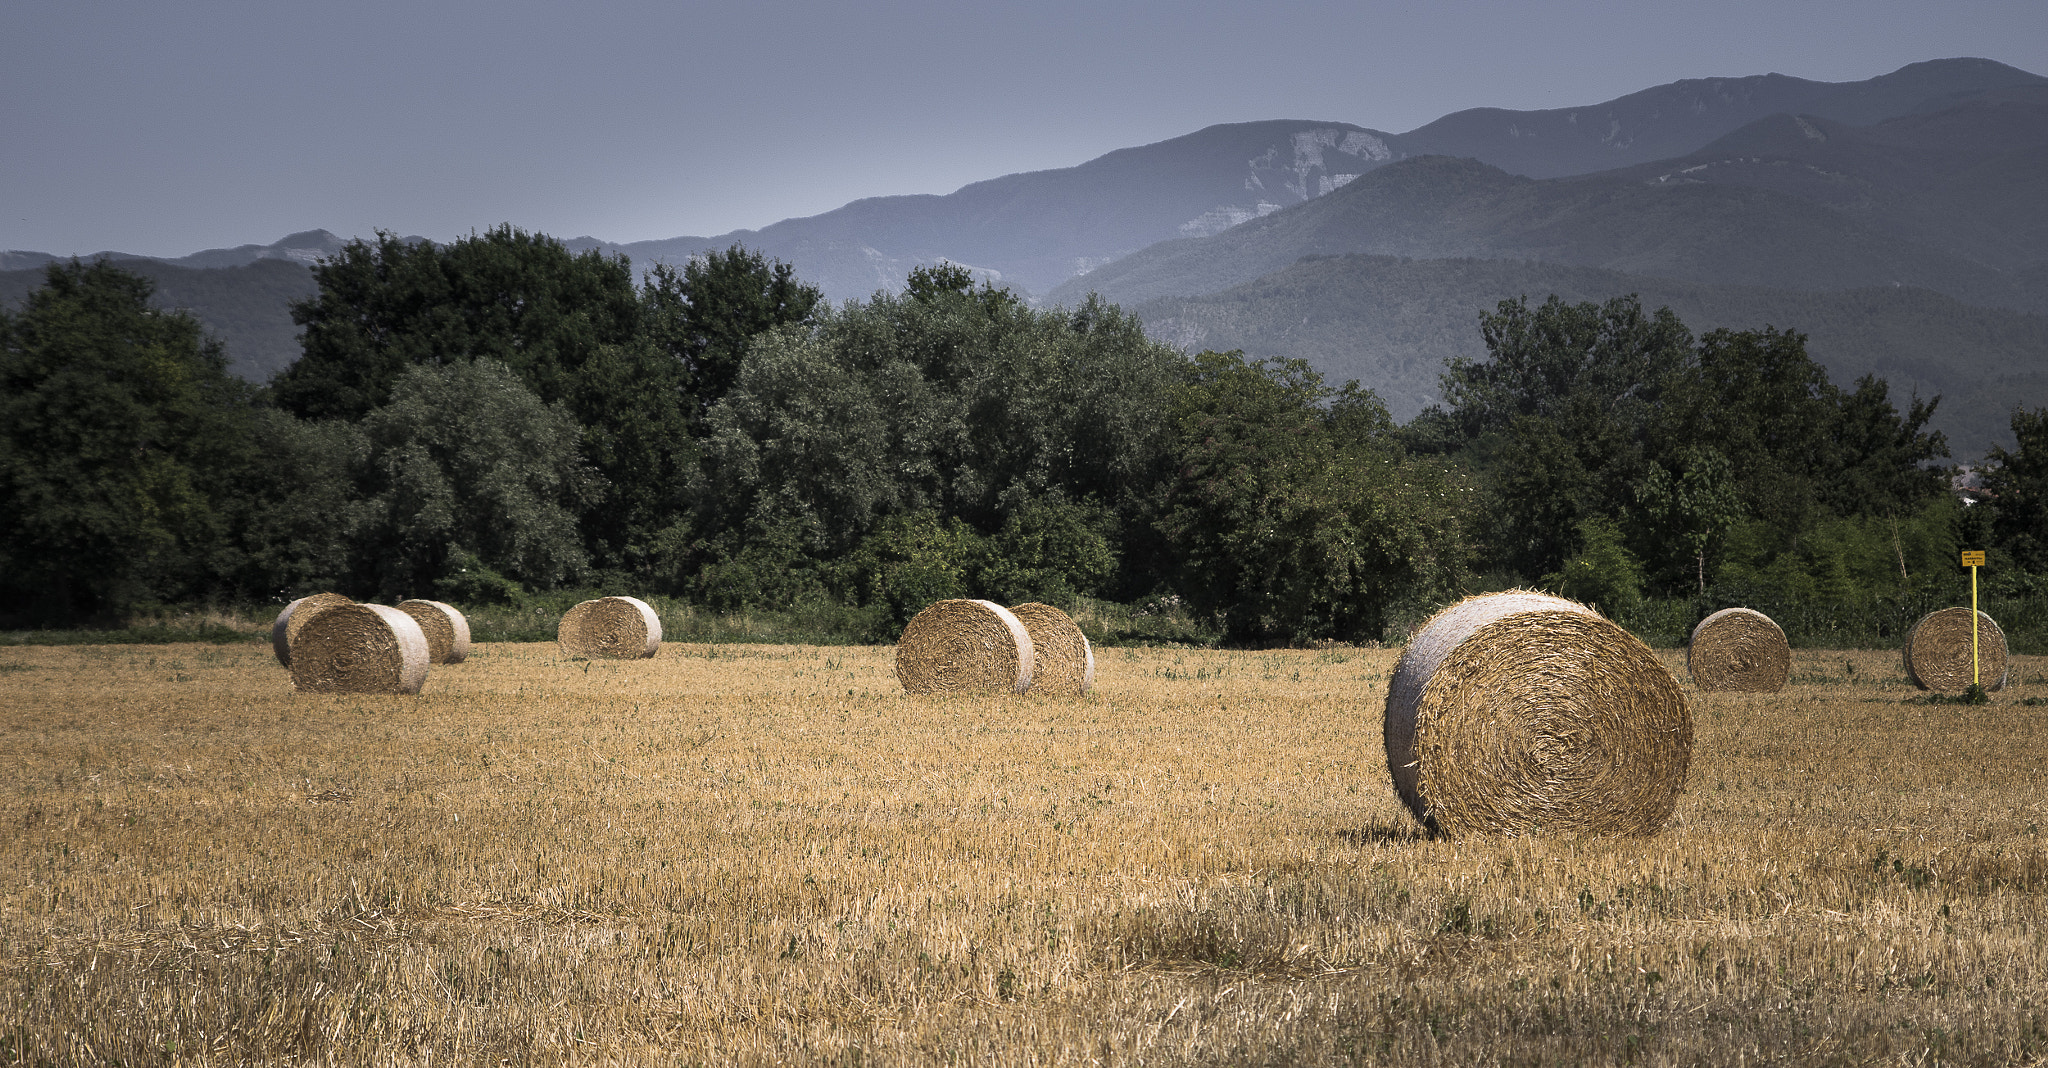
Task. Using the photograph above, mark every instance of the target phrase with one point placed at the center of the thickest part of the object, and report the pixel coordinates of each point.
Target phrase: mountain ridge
(1034, 230)
(1438, 207)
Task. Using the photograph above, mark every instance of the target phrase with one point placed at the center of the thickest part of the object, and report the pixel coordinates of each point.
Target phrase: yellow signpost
(1974, 559)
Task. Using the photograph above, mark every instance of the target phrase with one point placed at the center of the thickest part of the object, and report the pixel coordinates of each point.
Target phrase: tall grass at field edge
(1663, 623)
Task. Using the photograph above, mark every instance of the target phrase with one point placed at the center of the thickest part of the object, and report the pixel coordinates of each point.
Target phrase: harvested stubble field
(755, 854)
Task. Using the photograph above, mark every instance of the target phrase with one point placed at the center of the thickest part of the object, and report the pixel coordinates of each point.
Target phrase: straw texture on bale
(359, 648)
(965, 647)
(610, 628)
(295, 616)
(1738, 650)
(1062, 661)
(446, 630)
(1520, 712)
(1938, 652)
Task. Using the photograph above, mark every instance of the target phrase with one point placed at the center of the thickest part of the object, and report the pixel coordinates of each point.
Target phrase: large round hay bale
(359, 648)
(446, 630)
(610, 628)
(1520, 712)
(294, 617)
(1738, 650)
(965, 647)
(1938, 652)
(1062, 661)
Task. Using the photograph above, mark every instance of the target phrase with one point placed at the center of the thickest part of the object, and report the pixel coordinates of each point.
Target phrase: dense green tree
(1879, 461)
(1694, 506)
(296, 508)
(1050, 550)
(1294, 513)
(1754, 398)
(1563, 417)
(1588, 410)
(571, 325)
(467, 467)
(518, 297)
(2018, 481)
(1799, 446)
(963, 404)
(708, 314)
(119, 428)
(1603, 573)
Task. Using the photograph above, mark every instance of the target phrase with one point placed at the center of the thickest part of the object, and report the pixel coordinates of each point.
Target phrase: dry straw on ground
(1062, 660)
(1521, 712)
(294, 617)
(965, 647)
(1738, 650)
(528, 865)
(1938, 652)
(359, 648)
(446, 630)
(610, 628)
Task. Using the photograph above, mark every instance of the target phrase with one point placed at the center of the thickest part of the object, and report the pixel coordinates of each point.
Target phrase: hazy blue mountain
(1033, 231)
(1390, 323)
(304, 248)
(1971, 179)
(1438, 207)
(1912, 185)
(1675, 119)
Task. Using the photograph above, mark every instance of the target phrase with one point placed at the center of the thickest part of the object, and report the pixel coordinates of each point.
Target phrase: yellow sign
(1973, 559)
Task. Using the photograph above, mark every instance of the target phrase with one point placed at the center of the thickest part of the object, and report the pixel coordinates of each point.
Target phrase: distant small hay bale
(1738, 650)
(1062, 660)
(965, 647)
(1520, 712)
(610, 628)
(359, 648)
(1938, 652)
(294, 617)
(446, 630)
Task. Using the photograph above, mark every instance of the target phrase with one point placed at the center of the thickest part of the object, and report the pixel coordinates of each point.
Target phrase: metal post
(1976, 669)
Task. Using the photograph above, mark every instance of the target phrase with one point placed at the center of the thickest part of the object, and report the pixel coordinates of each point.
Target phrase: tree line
(495, 417)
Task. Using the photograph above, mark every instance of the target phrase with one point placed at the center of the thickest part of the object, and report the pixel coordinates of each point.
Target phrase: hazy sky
(166, 127)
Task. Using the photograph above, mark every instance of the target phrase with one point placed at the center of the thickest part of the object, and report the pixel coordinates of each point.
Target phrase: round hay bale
(1062, 661)
(1938, 652)
(294, 617)
(610, 628)
(965, 647)
(1520, 712)
(1738, 650)
(446, 630)
(359, 648)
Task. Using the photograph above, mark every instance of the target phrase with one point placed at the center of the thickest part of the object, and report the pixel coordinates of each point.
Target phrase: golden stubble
(756, 854)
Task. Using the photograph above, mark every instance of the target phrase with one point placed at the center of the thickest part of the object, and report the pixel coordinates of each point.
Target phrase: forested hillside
(500, 417)
(1396, 323)
(1438, 207)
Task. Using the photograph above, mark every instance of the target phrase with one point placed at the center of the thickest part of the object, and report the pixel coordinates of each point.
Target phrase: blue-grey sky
(164, 127)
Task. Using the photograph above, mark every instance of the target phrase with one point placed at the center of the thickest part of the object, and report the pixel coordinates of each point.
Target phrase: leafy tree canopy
(708, 314)
(518, 297)
(2018, 481)
(571, 327)
(120, 432)
(1294, 512)
(964, 404)
(466, 464)
(1588, 410)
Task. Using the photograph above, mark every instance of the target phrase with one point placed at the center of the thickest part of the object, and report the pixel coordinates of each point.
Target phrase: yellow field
(751, 854)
